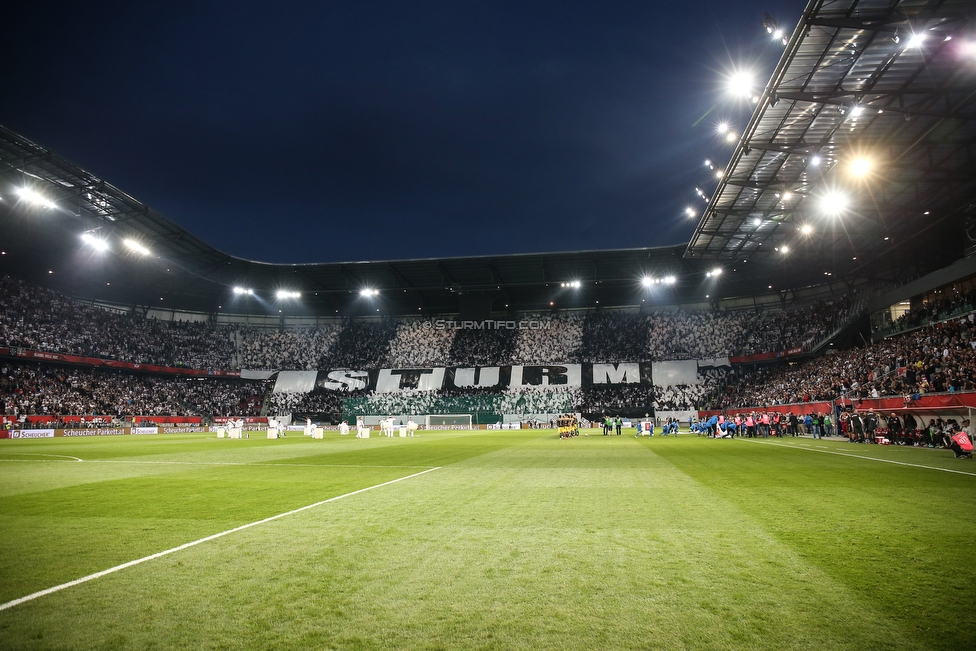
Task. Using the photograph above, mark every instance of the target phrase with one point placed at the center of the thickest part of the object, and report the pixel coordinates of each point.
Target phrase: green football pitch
(484, 540)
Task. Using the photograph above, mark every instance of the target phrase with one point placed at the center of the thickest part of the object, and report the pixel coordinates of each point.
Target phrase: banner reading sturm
(388, 380)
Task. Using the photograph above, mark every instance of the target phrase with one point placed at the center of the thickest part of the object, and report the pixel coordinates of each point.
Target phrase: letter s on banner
(345, 380)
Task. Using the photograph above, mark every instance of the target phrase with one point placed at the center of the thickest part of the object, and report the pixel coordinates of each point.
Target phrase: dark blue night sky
(318, 132)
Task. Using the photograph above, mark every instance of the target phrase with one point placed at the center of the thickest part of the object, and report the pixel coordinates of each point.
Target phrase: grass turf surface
(518, 540)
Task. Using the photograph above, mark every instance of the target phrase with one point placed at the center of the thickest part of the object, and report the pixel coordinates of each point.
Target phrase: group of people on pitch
(870, 427)
(762, 425)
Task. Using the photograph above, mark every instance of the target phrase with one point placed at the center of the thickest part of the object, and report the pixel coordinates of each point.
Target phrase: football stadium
(760, 438)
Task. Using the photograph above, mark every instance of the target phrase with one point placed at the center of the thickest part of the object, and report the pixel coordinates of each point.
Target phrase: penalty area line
(866, 458)
(118, 568)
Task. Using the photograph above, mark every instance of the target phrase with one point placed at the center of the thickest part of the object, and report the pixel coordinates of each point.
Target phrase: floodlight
(716, 271)
(784, 249)
(243, 291)
(135, 246)
(284, 293)
(690, 211)
(857, 110)
(806, 229)
(96, 243)
(814, 160)
(369, 292)
(669, 280)
(740, 83)
(28, 195)
(916, 40)
(731, 136)
(787, 195)
(757, 222)
(647, 281)
(575, 284)
(860, 166)
(834, 203)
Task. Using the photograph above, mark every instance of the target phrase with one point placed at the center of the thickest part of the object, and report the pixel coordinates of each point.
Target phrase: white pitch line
(117, 568)
(861, 456)
(38, 454)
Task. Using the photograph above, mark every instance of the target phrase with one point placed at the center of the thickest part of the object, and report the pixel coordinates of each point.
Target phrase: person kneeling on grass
(961, 445)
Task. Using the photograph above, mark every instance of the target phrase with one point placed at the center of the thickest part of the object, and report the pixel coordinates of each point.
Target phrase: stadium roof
(856, 80)
(48, 204)
(861, 149)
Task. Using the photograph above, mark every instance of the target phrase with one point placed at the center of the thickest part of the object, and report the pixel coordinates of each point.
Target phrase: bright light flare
(916, 40)
(806, 229)
(95, 242)
(28, 195)
(243, 291)
(135, 246)
(647, 281)
(860, 167)
(284, 294)
(670, 280)
(834, 203)
(741, 84)
(369, 293)
(690, 211)
(714, 272)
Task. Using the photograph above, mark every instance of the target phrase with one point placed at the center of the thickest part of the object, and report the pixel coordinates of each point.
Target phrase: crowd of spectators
(40, 319)
(418, 344)
(526, 401)
(293, 349)
(556, 343)
(704, 395)
(936, 358)
(937, 309)
(800, 326)
(49, 389)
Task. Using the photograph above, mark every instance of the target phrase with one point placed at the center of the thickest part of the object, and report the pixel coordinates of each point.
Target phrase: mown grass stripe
(118, 568)
(259, 464)
(861, 456)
